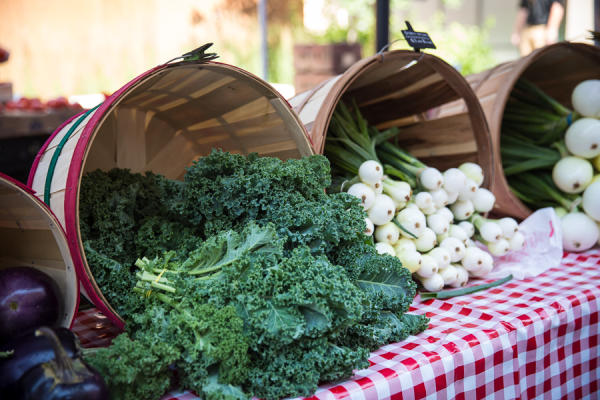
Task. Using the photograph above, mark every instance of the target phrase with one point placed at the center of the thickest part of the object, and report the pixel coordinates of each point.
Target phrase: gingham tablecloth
(531, 339)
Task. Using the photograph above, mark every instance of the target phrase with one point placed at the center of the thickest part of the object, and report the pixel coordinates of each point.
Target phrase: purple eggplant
(63, 378)
(24, 352)
(29, 298)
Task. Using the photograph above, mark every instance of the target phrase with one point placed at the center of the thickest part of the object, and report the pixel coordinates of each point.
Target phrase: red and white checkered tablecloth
(531, 339)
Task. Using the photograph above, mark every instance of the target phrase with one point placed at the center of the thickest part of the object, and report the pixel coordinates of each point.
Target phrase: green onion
(446, 294)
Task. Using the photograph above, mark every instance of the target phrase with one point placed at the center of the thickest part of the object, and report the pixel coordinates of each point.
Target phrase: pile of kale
(245, 279)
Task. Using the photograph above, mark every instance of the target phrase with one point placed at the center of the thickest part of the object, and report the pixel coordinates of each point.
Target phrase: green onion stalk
(537, 190)
(535, 117)
(352, 141)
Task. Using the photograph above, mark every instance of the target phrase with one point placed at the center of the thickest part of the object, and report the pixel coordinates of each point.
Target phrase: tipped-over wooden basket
(406, 89)
(162, 121)
(556, 69)
(31, 236)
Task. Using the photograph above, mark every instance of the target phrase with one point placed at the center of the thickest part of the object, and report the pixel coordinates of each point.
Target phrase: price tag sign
(417, 40)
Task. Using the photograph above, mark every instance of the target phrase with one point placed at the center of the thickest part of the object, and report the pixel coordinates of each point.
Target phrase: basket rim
(56, 227)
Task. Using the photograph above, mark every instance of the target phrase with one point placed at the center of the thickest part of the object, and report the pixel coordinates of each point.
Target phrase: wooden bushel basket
(406, 89)
(556, 69)
(162, 121)
(31, 236)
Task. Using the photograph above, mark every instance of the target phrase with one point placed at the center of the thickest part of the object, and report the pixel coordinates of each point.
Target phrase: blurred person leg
(532, 37)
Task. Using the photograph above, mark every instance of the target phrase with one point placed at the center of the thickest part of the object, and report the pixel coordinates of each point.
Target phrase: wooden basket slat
(399, 82)
(428, 97)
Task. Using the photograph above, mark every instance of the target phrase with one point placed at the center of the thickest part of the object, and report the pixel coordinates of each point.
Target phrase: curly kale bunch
(247, 276)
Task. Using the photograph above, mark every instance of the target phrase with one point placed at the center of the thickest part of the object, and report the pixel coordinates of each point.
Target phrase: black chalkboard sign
(417, 40)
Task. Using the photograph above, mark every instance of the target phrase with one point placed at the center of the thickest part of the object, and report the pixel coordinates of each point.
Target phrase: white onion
(411, 260)
(455, 247)
(462, 279)
(456, 231)
(438, 223)
(384, 248)
(490, 231)
(383, 209)
(572, 174)
(364, 192)
(423, 200)
(434, 283)
(499, 248)
(586, 98)
(441, 255)
(431, 179)
(404, 244)
(369, 227)
(449, 274)
(442, 236)
(583, 138)
(468, 228)
(452, 197)
(509, 226)
(485, 269)
(426, 241)
(454, 180)
(484, 200)
(472, 171)
(440, 198)
(579, 231)
(462, 209)
(377, 187)
(517, 241)
(474, 259)
(413, 220)
(388, 233)
(399, 191)
(446, 213)
(591, 200)
(468, 191)
(370, 172)
(429, 266)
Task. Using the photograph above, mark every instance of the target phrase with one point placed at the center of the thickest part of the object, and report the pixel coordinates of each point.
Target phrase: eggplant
(63, 378)
(25, 352)
(29, 298)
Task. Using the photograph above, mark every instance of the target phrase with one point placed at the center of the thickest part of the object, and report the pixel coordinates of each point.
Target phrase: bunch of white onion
(542, 136)
(433, 231)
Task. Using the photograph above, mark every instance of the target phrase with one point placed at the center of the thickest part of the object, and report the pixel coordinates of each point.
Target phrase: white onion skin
(434, 283)
(370, 172)
(572, 174)
(370, 228)
(454, 180)
(583, 138)
(388, 233)
(586, 98)
(455, 247)
(591, 200)
(429, 266)
(462, 279)
(484, 200)
(441, 255)
(579, 231)
(384, 248)
(364, 193)
(472, 171)
(383, 209)
(509, 226)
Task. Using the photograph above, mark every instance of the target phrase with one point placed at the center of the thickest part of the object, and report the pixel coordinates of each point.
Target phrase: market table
(533, 338)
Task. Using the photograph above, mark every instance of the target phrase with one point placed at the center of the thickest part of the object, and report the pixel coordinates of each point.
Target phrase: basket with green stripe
(162, 121)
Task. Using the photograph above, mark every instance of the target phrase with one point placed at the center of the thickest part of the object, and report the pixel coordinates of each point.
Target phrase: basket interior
(408, 90)
(29, 236)
(559, 69)
(173, 116)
